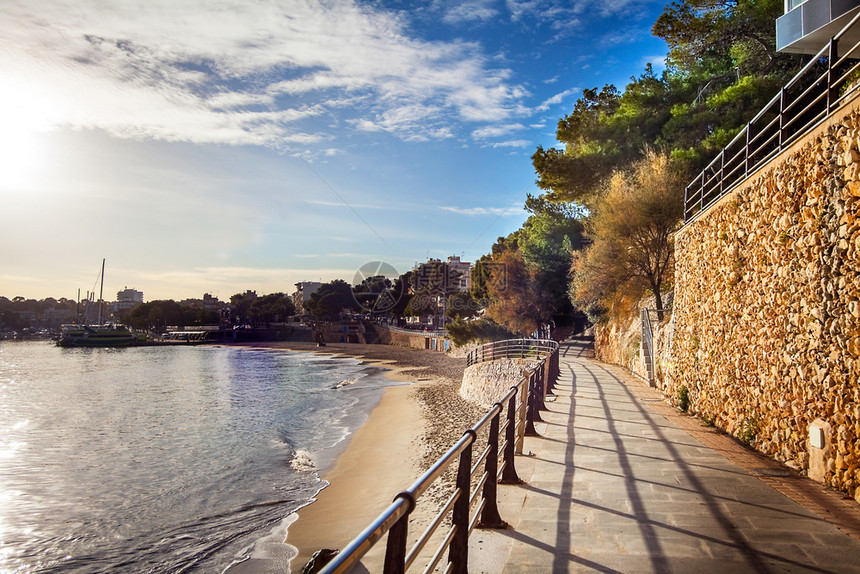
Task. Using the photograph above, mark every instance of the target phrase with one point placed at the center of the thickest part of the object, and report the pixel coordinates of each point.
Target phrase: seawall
(486, 383)
(767, 307)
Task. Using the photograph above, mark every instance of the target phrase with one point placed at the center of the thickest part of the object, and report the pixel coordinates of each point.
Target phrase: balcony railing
(804, 102)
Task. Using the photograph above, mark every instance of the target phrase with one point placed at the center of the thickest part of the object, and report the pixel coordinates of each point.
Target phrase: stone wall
(767, 307)
(417, 340)
(619, 340)
(486, 383)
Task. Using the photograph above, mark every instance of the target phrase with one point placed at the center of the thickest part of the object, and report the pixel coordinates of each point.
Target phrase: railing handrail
(648, 344)
(520, 417)
(422, 332)
(712, 183)
(511, 348)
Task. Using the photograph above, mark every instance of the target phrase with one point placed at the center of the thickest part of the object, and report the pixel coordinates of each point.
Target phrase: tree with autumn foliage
(518, 300)
(631, 232)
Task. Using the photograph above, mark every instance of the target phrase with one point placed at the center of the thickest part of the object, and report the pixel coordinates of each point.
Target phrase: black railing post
(549, 374)
(747, 151)
(781, 117)
(395, 547)
(540, 389)
(509, 473)
(832, 57)
(532, 415)
(490, 517)
(458, 553)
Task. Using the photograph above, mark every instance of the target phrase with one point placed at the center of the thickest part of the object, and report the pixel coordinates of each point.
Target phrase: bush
(683, 398)
(483, 330)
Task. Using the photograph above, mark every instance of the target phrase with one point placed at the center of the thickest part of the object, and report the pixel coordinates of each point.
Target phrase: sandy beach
(405, 433)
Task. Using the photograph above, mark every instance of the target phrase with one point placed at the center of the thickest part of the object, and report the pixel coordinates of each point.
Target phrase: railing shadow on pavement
(473, 502)
(726, 534)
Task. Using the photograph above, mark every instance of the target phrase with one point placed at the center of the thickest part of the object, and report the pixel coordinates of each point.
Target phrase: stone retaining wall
(767, 307)
(486, 383)
(417, 340)
(619, 341)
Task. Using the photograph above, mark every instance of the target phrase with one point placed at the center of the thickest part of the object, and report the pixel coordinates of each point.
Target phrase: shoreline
(403, 434)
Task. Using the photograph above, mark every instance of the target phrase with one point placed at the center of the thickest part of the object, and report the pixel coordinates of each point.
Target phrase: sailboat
(74, 335)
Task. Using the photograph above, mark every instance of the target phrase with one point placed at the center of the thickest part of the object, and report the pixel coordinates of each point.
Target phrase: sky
(219, 146)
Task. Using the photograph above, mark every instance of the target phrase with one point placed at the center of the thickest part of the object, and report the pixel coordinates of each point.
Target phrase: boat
(96, 336)
(101, 335)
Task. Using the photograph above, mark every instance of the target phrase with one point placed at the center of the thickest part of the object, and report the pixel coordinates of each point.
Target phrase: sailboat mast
(101, 292)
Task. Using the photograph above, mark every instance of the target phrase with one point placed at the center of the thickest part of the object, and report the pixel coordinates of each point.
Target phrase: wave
(344, 383)
(302, 461)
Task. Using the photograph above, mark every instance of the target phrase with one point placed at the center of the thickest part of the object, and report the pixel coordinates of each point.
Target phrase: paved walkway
(621, 482)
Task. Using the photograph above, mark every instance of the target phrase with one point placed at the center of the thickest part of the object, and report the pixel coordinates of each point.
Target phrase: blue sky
(218, 146)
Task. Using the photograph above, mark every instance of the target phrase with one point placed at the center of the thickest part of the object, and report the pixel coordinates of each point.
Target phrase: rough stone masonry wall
(619, 341)
(486, 383)
(767, 307)
(418, 340)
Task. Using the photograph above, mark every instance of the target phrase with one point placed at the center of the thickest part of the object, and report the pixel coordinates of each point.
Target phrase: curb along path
(619, 481)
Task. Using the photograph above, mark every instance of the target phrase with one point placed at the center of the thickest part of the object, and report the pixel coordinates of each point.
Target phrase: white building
(126, 300)
(304, 290)
(464, 268)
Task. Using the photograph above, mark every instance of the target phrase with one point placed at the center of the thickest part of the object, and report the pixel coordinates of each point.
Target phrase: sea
(166, 459)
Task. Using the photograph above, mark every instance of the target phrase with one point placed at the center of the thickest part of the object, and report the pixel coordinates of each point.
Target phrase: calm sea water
(163, 459)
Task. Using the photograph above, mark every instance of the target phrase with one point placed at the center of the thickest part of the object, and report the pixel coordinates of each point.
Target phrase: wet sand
(411, 427)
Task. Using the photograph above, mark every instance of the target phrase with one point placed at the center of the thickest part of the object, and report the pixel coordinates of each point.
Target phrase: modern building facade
(808, 25)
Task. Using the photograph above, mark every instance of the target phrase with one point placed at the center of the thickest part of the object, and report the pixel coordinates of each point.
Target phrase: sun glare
(24, 117)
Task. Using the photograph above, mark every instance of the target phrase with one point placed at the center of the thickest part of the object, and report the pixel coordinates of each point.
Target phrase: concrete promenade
(619, 481)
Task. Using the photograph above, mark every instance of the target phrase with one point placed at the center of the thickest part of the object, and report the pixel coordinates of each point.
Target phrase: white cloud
(496, 131)
(513, 143)
(469, 12)
(477, 211)
(556, 99)
(658, 63)
(566, 18)
(235, 72)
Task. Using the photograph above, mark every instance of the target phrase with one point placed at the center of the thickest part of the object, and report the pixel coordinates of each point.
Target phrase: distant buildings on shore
(435, 277)
(302, 294)
(126, 300)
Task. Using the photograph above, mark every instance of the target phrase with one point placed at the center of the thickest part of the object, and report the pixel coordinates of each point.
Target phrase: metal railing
(648, 344)
(426, 333)
(804, 102)
(511, 349)
(474, 499)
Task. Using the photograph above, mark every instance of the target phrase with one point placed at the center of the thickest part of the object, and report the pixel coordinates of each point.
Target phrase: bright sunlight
(24, 117)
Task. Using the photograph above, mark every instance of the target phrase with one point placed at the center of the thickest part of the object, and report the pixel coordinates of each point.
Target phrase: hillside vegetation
(602, 231)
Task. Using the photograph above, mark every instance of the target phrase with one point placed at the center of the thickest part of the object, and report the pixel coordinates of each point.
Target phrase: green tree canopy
(271, 308)
(722, 69)
(158, 315)
(327, 302)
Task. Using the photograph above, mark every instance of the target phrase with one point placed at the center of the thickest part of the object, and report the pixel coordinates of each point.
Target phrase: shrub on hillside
(480, 331)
